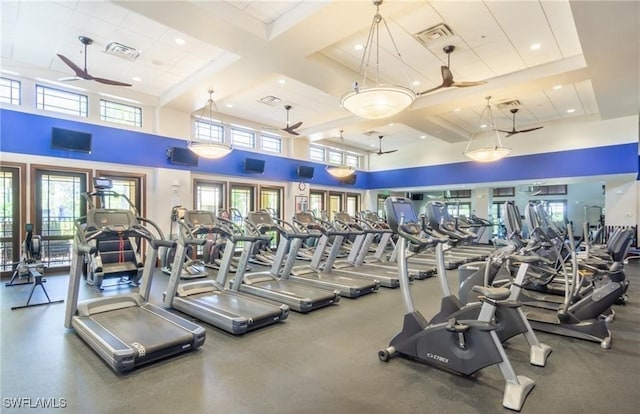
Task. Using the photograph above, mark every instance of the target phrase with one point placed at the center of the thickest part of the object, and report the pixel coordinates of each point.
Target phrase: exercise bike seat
(492, 293)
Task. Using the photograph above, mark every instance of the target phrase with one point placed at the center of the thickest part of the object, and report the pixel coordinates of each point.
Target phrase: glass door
(335, 204)
(58, 203)
(353, 204)
(10, 232)
(316, 203)
(271, 201)
(241, 202)
(209, 196)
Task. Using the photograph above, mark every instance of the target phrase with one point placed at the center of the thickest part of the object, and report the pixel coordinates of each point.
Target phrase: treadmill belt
(147, 330)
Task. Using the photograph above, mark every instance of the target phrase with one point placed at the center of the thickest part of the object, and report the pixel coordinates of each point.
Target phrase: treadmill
(126, 331)
(209, 300)
(314, 274)
(388, 276)
(275, 284)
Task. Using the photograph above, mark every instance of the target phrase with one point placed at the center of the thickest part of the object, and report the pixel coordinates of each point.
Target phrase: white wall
(558, 136)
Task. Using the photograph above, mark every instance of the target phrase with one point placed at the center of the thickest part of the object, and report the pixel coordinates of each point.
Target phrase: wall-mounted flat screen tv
(253, 165)
(305, 172)
(182, 156)
(68, 140)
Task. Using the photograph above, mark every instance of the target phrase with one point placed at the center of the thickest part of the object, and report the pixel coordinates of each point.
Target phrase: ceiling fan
(83, 73)
(291, 128)
(514, 131)
(380, 152)
(447, 75)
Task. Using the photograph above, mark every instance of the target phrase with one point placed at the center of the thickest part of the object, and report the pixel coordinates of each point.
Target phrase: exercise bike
(460, 346)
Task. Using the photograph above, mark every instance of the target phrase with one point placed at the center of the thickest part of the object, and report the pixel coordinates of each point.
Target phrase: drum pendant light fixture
(377, 101)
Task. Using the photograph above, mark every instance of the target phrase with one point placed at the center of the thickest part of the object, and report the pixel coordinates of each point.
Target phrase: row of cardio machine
(539, 283)
(507, 295)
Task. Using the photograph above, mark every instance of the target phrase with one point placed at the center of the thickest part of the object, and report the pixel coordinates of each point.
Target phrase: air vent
(122, 51)
(428, 36)
(269, 100)
(509, 104)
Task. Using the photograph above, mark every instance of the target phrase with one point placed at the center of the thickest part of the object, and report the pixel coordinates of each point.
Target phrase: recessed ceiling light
(555, 88)
(570, 111)
(359, 46)
(372, 145)
(229, 105)
(282, 81)
(136, 79)
(416, 82)
(535, 46)
(483, 126)
(391, 124)
(456, 110)
(180, 41)
(423, 137)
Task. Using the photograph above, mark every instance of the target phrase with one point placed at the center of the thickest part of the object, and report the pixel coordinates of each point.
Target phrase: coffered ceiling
(305, 54)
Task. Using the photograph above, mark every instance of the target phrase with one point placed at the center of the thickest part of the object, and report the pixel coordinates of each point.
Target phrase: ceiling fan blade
(290, 131)
(110, 82)
(531, 129)
(467, 84)
(79, 72)
(513, 131)
(295, 126)
(431, 90)
(389, 152)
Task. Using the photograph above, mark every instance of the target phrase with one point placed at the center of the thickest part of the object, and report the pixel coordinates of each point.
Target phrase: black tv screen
(253, 165)
(415, 196)
(182, 156)
(66, 139)
(350, 180)
(305, 172)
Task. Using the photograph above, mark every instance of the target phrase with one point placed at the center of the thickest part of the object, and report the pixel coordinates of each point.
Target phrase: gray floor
(325, 361)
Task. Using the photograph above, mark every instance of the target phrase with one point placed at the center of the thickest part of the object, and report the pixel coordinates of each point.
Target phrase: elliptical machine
(460, 346)
(191, 269)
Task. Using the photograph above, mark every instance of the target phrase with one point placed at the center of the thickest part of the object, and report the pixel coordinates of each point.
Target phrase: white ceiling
(303, 53)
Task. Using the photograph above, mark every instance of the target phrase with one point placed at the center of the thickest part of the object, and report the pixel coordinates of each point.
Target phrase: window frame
(12, 86)
(136, 111)
(83, 101)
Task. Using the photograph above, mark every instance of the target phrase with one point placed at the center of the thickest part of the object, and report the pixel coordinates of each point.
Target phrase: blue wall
(26, 133)
(615, 159)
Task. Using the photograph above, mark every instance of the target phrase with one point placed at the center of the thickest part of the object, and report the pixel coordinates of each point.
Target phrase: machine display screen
(404, 210)
(199, 218)
(110, 218)
(260, 218)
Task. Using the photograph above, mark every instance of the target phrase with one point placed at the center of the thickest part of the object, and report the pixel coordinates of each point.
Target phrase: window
(557, 210)
(459, 209)
(131, 186)
(353, 160)
(10, 232)
(353, 204)
(9, 91)
(120, 113)
(316, 203)
(496, 218)
(64, 102)
(336, 157)
(209, 196)
(208, 131)
(243, 138)
(457, 194)
(550, 189)
(316, 153)
(271, 143)
(380, 205)
(504, 192)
